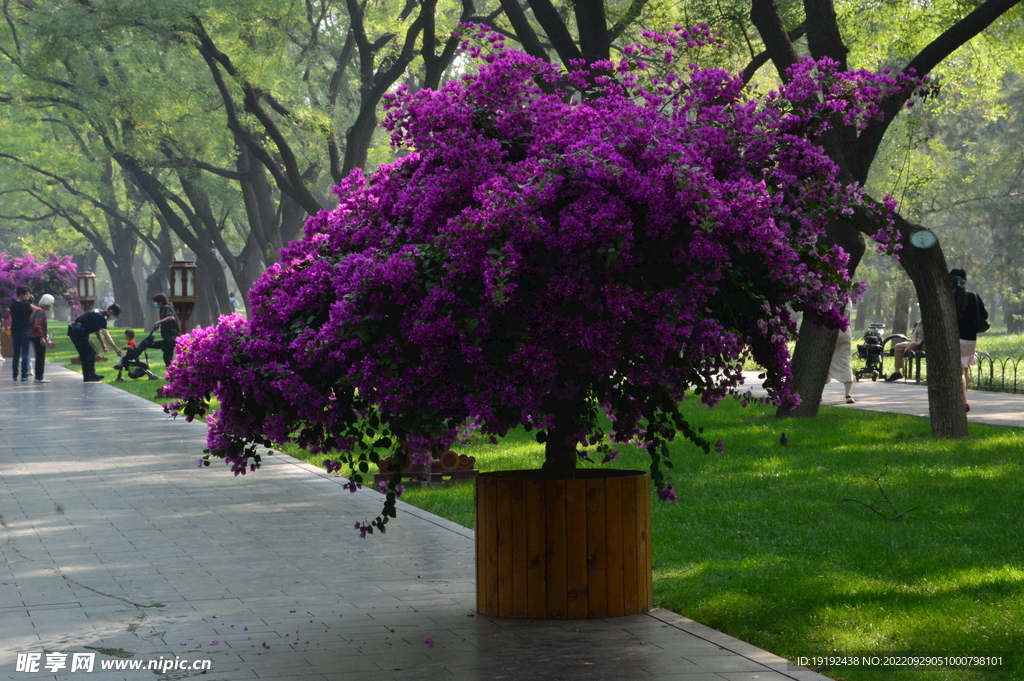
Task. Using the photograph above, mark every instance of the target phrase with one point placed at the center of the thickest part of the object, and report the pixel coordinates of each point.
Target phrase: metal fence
(1002, 374)
(999, 374)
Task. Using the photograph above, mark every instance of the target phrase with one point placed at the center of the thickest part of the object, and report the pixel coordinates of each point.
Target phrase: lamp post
(87, 290)
(182, 274)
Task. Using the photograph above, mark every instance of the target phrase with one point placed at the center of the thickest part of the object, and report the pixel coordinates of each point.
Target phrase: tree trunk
(1013, 306)
(593, 30)
(811, 360)
(126, 293)
(293, 218)
(901, 313)
(927, 269)
(814, 345)
(358, 139)
(862, 316)
(559, 448)
(213, 291)
(260, 211)
(157, 282)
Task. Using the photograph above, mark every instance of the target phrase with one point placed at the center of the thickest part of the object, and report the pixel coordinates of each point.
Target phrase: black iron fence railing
(999, 374)
(1002, 374)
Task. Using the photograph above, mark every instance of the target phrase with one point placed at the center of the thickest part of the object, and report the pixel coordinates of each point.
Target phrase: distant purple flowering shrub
(539, 259)
(56, 275)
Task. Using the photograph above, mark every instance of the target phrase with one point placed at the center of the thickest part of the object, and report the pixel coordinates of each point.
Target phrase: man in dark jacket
(21, 313)
(94, 322)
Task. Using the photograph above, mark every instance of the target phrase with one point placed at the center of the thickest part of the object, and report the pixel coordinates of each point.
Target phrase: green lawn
(762, 545)
(64, 352)
(1002, 344)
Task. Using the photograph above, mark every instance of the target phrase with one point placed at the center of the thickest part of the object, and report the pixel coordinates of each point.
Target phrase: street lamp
(182, 274)
(87, 290)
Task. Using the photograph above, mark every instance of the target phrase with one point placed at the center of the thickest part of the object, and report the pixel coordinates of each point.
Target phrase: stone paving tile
(120, 544)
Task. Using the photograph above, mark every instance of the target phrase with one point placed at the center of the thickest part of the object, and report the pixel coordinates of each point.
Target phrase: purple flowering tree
(56, 275)
(552, 247)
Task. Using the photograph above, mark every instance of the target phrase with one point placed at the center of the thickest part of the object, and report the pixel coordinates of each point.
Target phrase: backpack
(36, 323)
(981, 324)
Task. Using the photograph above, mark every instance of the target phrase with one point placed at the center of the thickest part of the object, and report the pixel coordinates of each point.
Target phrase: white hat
(45, 299)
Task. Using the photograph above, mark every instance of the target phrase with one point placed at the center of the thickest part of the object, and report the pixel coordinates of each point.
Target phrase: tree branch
(927, 59)
(524, 32)
(298, 189)
(632, 13)
(761, 59)
(221, 172)
(556, 30)
(767, 18)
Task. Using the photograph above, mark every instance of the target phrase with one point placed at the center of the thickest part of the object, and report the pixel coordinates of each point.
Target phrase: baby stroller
(130, 361)
(871, 352)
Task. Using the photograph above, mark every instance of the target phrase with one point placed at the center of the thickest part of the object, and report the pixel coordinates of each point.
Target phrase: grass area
(1001, 344)
(65, 351)
(762, 545)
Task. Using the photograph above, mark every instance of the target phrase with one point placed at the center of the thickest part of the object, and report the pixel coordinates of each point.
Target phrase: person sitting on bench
(901, 349)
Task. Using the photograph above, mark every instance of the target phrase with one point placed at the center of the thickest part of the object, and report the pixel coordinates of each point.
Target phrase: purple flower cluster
(56, 275)
(635, 236)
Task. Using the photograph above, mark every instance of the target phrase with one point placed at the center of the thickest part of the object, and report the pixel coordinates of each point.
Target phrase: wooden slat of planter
(486, 552)
(597, 547)
(504, 545)
(630, 540)
(643, 565)
(519, 549)
(576, 547)
(555, 551)
(614, 493)
(536, 571)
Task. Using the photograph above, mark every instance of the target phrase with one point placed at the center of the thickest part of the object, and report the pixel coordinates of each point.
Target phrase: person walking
(88, 323)
(840, 368)
(40, 335)
(972, 319)
(21, 313)
(169, 329)
(901, 349)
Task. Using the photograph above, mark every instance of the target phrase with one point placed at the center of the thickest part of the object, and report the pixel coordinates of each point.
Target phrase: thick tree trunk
(157, 282)
(213, 291)
(811, 359)
(293, 219)
(126, 293)
(927, 269)
(559, 449)
(814, 346)
(358, 139)
(260, 211)
(593, 30)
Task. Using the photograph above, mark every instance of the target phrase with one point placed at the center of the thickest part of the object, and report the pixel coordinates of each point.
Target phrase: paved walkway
(115, 544)
(999, 409)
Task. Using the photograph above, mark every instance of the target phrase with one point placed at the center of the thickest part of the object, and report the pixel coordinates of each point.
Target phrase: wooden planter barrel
(563, 549)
